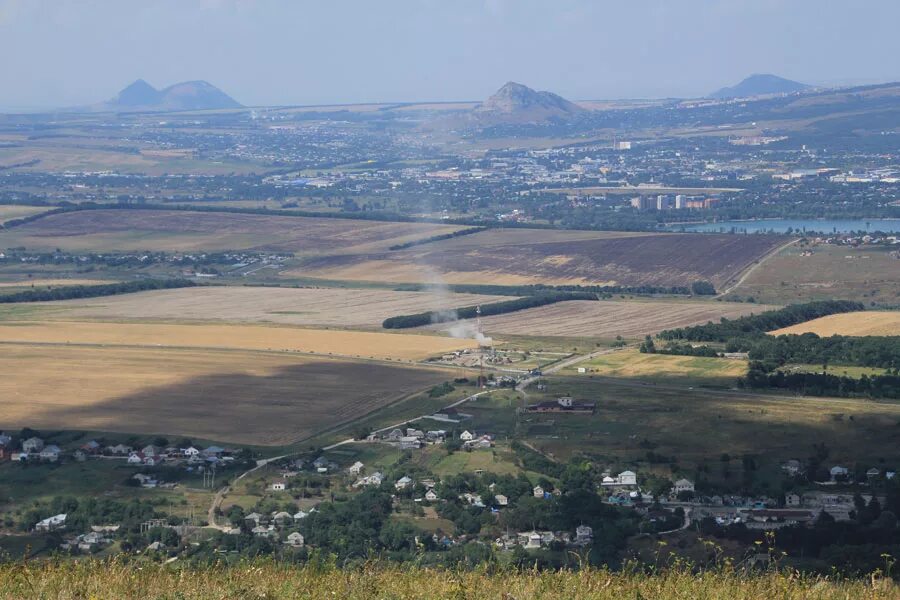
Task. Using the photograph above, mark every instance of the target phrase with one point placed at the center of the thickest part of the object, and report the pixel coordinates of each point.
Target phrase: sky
(295, 52)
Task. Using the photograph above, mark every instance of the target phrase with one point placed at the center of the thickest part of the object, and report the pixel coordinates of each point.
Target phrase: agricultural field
(663, 367)
(608, 319)
(8, 212)
(866, 274)
(559, 257)
(190, 231)
(331, 307)
(854, 324)
(16, 285)
(234, 337)
(230, 396)
(696, 426)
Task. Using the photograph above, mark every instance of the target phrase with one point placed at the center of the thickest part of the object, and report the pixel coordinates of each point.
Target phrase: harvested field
(304, 306)
(607, 319)
(236, 397)
(560, 257)
(184, 231)
(8, 212)
(237, 337)
(854, 323)
(827, 272)
(38, 283)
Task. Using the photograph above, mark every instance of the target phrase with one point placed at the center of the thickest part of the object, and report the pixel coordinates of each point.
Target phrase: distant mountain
(515, 102)
(188, 95)
(758, 85)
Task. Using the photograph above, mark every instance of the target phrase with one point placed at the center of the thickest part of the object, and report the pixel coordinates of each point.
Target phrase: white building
(683, 485)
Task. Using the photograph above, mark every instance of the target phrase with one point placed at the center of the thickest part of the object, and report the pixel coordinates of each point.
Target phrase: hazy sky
(66, 52)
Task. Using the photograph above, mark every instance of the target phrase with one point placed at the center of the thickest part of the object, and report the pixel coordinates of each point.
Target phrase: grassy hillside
(265, 580)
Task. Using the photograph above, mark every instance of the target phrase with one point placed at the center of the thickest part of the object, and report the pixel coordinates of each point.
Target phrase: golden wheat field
(237, 337)
(119, 579)
(853, 323)
(607, 319)
(304, 306)
(229, 396)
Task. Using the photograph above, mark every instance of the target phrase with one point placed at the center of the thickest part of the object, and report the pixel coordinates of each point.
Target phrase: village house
(32, 445)
(261, 531)
(50, 453)
(683, 485)
(282, 518)
(538, 491)
(356, 468)
(190, 451)
(466, 436)
(791, 467)
(501, 500)
(838, 472)
(300, 515)
(295, 540)
(583, 535)
(119, 449)
(791, 499)
(431, 496)
(150, 450)
(278, 486)
(410, 443)
(403, 483)
(92, 447)
(375, 479)
(51, 523)
(479, 443)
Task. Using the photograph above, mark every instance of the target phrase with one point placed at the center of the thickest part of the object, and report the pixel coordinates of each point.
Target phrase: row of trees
(437, 238)
(70, 292)
(496, 308)
(823, 384)
(761, 323)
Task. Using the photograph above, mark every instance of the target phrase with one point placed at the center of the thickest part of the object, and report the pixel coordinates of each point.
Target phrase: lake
(797, 225)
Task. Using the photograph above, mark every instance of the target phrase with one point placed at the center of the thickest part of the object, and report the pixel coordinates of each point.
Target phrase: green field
(696, 427)
(686, 370)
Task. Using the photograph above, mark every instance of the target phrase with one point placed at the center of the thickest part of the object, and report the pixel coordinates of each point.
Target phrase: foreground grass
(117, 579)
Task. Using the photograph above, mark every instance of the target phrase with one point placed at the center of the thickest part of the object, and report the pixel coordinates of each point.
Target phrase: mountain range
(758, 85)
(187, 95)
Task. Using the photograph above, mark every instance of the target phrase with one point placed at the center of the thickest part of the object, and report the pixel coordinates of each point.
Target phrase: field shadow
(291, 403)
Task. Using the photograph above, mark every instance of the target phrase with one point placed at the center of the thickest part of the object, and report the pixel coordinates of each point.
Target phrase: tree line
(470, 312)
(761, 323)
(437, 238)
(70, 292)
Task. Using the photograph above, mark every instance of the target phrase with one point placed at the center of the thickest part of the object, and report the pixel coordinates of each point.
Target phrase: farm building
(562, 405)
